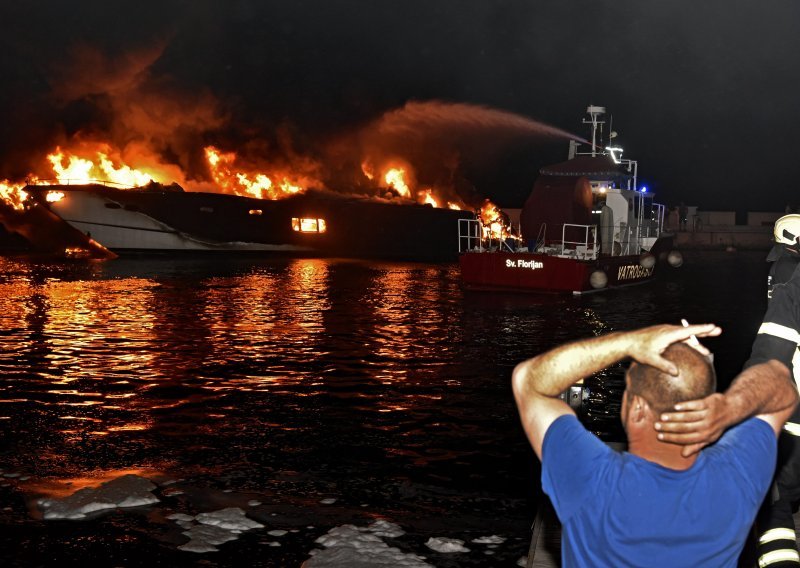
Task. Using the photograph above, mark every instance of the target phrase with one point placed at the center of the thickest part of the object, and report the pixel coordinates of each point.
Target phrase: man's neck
(666, 455)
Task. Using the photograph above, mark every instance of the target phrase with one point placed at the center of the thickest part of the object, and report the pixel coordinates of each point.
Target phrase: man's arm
(701, 422)
(538, 382)
(765, 390)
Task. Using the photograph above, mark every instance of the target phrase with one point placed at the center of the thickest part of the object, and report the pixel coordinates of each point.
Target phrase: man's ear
(639, 409)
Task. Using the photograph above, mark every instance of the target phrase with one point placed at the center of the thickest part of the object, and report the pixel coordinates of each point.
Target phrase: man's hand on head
(695, 424)
(650, 343)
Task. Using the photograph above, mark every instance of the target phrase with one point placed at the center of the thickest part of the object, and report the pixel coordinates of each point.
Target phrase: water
(438, 116)
(383, 386)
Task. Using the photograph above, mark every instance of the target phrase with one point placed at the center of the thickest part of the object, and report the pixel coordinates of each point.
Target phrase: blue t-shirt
(617, 509)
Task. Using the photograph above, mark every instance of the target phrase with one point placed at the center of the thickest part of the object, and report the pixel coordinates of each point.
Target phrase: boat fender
(647, 261)
(675, 258)
(598, 279)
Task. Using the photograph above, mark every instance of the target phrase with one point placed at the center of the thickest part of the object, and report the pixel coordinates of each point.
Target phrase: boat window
(308, 225)
(132, 207)
(207, 209)
(113, 206)
(255, 212)
(53, 196)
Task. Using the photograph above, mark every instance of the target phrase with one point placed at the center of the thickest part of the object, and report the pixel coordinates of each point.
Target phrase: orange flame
(494, 225)
(83, 169)
(426, 197)
(91, 162)
(253, 184)
(400, 176)
(368, 171)
(12, 194)
(396, 178)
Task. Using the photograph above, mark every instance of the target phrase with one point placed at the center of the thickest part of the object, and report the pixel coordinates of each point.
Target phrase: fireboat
(586, 226)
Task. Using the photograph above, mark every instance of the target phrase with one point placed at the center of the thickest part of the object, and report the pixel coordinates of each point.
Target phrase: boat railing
(659, 213)
(541, 238)
(474, 236)
(470, 235)
(623, 239)
(82, 181)
(586, 248)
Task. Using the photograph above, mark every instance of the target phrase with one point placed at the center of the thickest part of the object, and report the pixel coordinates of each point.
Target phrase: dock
(545, 549)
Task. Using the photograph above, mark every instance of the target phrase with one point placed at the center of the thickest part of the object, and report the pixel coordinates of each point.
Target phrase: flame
(71, 168)
(252, 184)
(396, 178)
(426, 197)
(494, 225)
(400, 176)
(84, 162)
(12, 194)
(489, 212)
(368, 170)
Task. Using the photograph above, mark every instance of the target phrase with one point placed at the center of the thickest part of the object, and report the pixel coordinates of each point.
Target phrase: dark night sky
(705, 94)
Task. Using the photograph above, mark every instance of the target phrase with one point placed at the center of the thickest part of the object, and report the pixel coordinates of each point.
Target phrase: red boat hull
(529, 272)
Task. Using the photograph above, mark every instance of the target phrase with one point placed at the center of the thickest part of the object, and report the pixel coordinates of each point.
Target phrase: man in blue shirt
(652, 506)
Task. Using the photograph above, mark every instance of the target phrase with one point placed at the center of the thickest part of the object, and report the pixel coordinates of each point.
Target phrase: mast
(594, 113)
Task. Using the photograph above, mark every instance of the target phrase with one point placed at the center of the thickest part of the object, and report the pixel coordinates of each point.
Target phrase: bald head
(695, 379)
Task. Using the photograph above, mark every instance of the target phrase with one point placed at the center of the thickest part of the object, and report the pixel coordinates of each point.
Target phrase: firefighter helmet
(787, 230)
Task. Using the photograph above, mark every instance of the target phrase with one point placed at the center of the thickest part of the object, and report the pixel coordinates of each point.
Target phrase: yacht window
(308, 225)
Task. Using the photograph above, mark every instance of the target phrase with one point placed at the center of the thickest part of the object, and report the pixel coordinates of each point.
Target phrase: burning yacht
(165, 219)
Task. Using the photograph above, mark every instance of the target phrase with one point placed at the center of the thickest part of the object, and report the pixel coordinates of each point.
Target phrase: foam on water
(348, 546)
(125, 491)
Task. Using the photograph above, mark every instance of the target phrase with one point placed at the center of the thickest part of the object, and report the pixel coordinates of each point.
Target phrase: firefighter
(695, 424)
(779, 338)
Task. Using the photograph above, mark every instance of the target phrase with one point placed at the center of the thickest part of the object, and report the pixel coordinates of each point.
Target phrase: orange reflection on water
(88, 334)
(129, 427)
(247, 316)
(65, 487)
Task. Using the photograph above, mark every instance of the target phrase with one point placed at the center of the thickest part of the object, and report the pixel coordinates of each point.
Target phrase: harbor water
(310, 393)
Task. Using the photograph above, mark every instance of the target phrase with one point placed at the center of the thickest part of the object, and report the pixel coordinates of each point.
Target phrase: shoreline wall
(718, 230)
(723, 237)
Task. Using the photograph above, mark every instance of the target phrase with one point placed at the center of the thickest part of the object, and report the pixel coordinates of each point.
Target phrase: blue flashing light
(644, 189)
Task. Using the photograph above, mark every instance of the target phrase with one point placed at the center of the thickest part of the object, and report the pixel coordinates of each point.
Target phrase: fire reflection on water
(294, 380)
(237, 374)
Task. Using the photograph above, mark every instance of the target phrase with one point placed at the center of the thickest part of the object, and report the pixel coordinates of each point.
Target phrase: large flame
(235, 180)
(397, 175)
(83, 162)
(396, 179)
(98, 165)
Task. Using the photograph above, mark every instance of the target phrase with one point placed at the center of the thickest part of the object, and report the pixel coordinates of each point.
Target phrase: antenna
(594, 112)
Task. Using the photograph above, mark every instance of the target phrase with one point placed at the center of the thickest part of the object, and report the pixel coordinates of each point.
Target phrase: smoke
(121, 98)
(443, 142)
(112, 97)
(146, 116)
